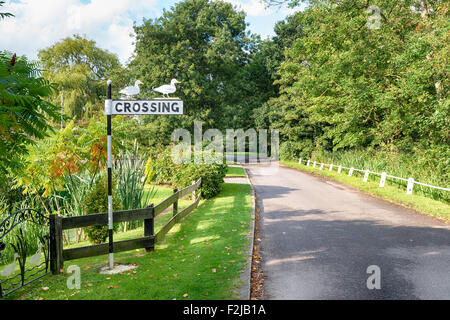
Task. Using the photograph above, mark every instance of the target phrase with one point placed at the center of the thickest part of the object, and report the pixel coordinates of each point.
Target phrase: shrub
(96, 201)
(212, 177)
(163, 168)
(182, 175)
(292, 150)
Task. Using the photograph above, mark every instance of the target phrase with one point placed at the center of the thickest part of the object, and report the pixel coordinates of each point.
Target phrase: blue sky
(39, 24)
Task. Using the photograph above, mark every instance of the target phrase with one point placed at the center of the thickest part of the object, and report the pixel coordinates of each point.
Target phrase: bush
(162, 167)
(212, 178)
(182, 175)
(292, 150)
(96, 201)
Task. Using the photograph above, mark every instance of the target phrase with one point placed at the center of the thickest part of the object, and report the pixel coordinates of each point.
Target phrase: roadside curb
(246, 276)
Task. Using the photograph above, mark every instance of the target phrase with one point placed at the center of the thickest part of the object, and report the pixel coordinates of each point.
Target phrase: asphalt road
(318, 239)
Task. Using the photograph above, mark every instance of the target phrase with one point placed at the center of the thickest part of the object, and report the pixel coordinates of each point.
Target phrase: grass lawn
(201, 258)
(390, 192)
(235, 172)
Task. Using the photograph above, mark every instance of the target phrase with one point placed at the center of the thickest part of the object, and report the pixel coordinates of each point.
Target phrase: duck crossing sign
(128, 106)
(166, 106)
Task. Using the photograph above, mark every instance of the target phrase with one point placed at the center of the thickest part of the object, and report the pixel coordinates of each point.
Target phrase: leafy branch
(4, 15)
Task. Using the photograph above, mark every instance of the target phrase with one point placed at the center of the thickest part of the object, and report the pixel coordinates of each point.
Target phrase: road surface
(319, 238)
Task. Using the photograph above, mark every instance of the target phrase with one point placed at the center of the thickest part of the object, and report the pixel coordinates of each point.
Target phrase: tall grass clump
(131, 177)
(396, 164)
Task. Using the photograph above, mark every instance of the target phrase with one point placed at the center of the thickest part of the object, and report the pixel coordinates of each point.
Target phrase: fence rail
(164, 230)
(57, 224)
(411, 182)
(101, 249)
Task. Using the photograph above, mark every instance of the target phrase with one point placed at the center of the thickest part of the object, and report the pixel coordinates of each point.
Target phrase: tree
(269, 55)
(67, 157)
(346, 86)
(201, 43)
(24, 109)
(79, 68)
(4, 14)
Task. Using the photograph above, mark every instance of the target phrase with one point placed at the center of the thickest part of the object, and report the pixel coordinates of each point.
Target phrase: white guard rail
(384, 175)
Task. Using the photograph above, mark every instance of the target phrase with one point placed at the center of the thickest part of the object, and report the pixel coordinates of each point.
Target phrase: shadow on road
(310, 255)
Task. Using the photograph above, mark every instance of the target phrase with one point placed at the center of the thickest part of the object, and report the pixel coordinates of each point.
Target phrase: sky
(38, 24)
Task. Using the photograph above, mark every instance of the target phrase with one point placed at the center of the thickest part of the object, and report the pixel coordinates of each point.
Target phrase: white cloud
(40, 23)
(253, 8)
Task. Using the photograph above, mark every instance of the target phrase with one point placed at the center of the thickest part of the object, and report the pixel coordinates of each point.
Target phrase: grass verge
(201, 258)
(235, 172)
(390, 192)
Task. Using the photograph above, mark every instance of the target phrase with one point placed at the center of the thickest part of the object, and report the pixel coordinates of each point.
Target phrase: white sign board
(147, 107)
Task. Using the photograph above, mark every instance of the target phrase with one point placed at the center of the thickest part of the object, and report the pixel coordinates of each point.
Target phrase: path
(319, 238)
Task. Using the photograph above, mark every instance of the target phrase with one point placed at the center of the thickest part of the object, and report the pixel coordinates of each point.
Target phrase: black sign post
(162, 106)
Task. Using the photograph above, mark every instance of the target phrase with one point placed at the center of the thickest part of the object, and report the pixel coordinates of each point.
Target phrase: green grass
(163, 193)
(211, 238)
(235, 172)
(391, 192)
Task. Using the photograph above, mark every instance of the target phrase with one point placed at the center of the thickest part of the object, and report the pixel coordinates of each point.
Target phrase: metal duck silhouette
(168, 88)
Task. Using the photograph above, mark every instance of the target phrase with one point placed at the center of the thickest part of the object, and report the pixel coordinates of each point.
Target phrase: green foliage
(346, 87)
(30, 233)
(4, 14)
(395, 164)
(203, 44)
(60, 170)
(96, 201)
(79, 68)
(131, 180)
(24, 111)
(162, 166)
(214, 219)
(182, 175)
(212, 178)
(254, 84)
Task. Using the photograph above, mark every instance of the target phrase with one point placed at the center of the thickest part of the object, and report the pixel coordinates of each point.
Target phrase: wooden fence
(57, 224)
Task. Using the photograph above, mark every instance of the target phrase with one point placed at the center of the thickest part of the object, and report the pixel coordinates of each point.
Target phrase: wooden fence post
(322, 166)
(314, 164)
(175, 204)
(309, 161)
(149, 228)
(300, 161)
(56, 244)
(194, 193)
(339, 169)
(331, 167)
